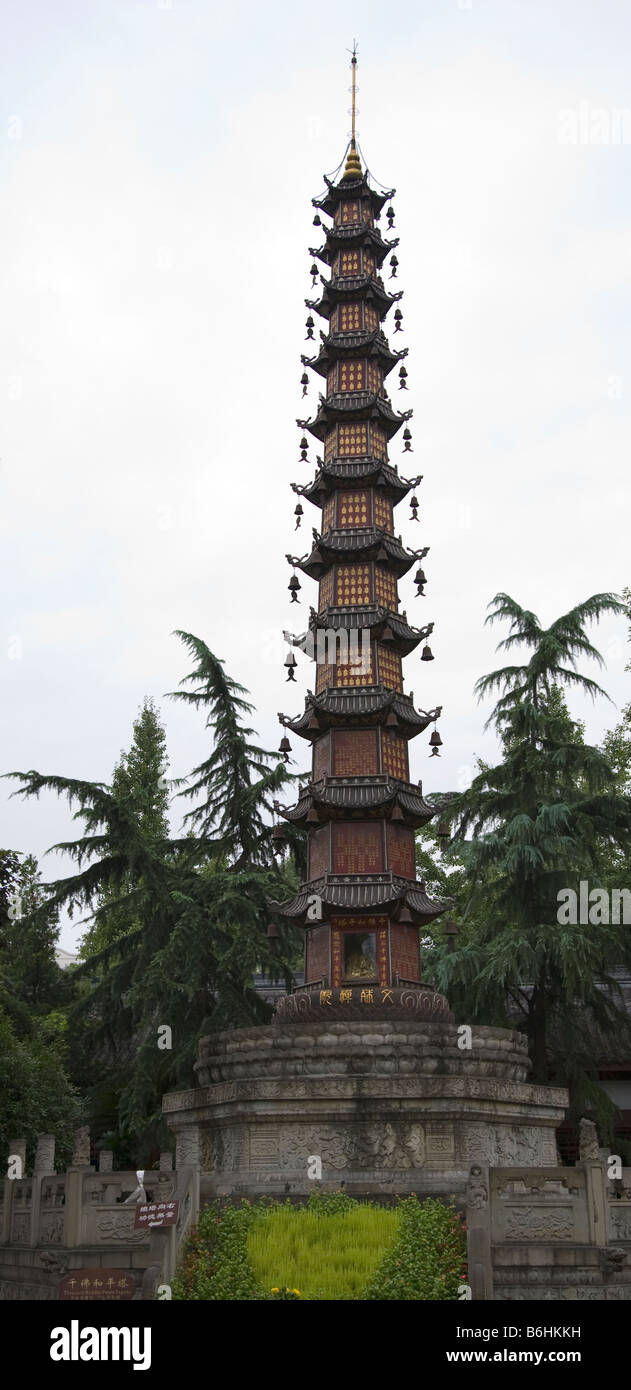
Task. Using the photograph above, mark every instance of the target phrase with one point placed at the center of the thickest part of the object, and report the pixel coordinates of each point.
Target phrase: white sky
(157, 168)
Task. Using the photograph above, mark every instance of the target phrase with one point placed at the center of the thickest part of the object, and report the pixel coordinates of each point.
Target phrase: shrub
(428, 1261)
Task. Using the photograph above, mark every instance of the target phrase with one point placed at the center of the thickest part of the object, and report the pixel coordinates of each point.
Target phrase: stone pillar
(187, 1147)
(166, 1162)
(106, 1160)
(45, 1154)
(480, 1263)
(81, 1148)
(597, 1204)
(17, 1149)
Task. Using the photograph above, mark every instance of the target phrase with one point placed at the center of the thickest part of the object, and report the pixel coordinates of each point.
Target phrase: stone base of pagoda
(386, 1107)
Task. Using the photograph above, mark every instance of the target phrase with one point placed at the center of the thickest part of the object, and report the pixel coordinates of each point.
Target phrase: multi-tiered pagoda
(362, 906)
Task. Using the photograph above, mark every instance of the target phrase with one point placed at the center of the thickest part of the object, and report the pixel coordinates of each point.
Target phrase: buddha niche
(360, 956)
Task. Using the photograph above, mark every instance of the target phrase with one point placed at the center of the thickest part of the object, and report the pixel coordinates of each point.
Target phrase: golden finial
(353, 169)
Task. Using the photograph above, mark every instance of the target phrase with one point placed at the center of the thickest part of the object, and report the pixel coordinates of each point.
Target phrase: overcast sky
(158, 162)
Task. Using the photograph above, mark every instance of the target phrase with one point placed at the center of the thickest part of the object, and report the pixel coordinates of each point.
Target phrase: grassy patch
(324, 1255)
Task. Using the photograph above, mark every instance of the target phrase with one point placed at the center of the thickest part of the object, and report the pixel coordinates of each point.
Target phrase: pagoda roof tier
(336, 797)
(336, 345)
(359, 708)
(362, 543)
(351, 188)
(358, 234)
(353, 472)
(354, 405)
(383, 624)
(385, 892)
(352, 287)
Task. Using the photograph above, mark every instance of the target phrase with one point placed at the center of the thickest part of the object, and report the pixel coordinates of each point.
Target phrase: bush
(428, 1261)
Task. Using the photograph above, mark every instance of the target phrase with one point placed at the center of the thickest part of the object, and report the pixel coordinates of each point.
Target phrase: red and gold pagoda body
(362, 905)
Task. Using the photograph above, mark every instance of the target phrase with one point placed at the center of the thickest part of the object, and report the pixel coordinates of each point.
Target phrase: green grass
(325, 1256)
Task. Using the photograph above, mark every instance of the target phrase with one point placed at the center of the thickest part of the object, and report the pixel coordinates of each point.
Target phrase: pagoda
(362, 907)
(362, 1070)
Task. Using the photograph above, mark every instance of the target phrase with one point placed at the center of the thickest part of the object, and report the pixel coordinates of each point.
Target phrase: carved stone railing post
(73, 1213)
(480, 1265)
(166, 1162)
(596, 1197)
(45, 1154)
(17, 1151)
(106, 1160)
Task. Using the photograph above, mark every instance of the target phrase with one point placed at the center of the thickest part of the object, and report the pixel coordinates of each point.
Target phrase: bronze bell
(310, 327)
(405, 917)
(390, 217)
(427, 654)
(392, 721)
(436, 740)
(316, 220)
(304, 382)
(298, 515)
(398, 319)
(407, 437)
(414, 505)
(312, 817)
(402, 379)
(314, 272)
(290, 663)
(397, 813)
(394, 266)
(285, 748)
(420, 578)
(293, 586)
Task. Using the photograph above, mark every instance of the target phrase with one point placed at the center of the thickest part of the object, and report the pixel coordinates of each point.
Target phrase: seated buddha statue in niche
(360, 957)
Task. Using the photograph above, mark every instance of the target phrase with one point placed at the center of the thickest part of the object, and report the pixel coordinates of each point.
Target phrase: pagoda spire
(353, 169)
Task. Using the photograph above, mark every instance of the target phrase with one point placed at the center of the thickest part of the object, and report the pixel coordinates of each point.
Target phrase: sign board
(157, 1214)
(104, 1284)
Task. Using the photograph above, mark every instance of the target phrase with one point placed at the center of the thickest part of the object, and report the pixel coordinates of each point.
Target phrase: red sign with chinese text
(157, 1214)
(105, 1284)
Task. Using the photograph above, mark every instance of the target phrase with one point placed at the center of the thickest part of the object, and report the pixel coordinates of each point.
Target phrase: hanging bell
(310, 327)
(414, 505)
(312, 817)
(420, 579)
(398, 319)
(285, 748)
(394, 266)
(435, 739)
(397, 813)
(402, 379)
(298, 515)
(304, 382)
(316, 221)
(314, 272)
(390, 217)
(392, 721)
(405, 917)
(427, 654)
(294, 585)
(304, 445)
(407, 447)
(290, 663)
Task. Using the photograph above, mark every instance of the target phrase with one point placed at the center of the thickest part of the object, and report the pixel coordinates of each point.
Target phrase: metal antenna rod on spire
(354, 88)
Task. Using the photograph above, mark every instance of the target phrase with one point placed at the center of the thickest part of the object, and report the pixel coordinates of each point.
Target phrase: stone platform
(388, 1107)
